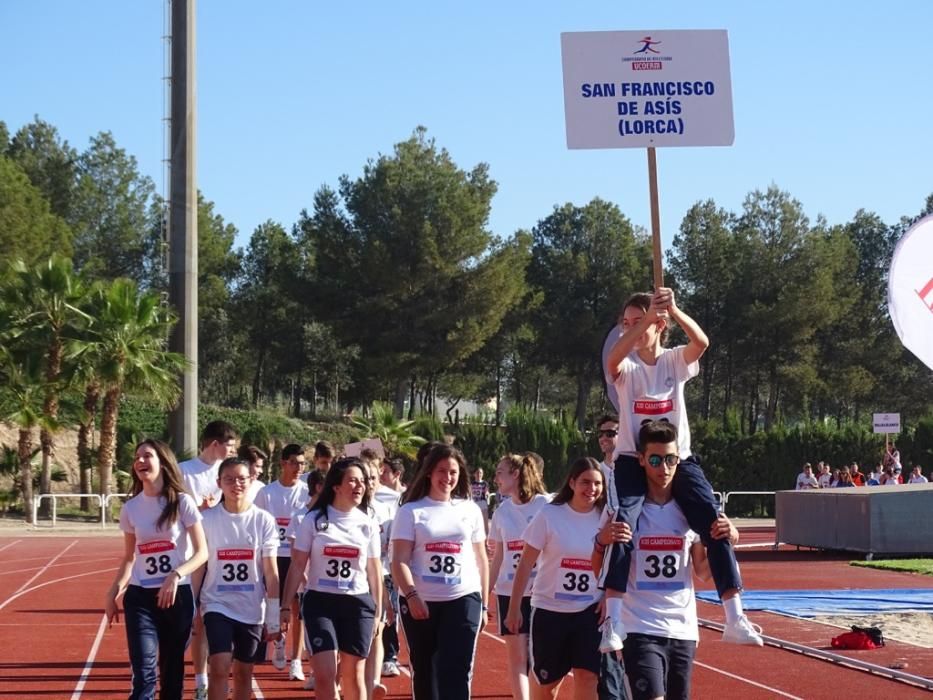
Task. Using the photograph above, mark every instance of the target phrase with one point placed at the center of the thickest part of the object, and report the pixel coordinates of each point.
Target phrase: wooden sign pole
(655, 218)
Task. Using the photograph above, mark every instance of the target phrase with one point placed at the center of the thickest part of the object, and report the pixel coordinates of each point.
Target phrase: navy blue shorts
(502, 609)
(224, 634)
(338, 621)
(564, 641)
(658, 666)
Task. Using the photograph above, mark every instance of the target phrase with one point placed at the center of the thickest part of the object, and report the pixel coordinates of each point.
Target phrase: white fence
(103, 502)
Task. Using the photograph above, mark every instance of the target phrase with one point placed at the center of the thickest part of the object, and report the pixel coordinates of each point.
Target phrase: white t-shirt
(505, 529)
(338, 553)
(255, 486)
(660, 599)
(283, 502)
(653, 392)
(565, 581)
(805, 482)
(236, 543)
(383, 515)
(200, 479)
(825, 481)
(443, 534)
(158, 551)
(914, 479)
(390, 498)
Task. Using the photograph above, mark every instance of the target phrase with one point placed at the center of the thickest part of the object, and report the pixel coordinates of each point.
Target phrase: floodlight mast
(183, 223)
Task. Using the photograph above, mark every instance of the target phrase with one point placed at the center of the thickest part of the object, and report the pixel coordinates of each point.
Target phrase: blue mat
(855, 601)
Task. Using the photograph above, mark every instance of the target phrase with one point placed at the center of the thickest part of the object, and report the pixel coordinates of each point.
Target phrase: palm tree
(46, 300)
(126, 347)
(396, 435)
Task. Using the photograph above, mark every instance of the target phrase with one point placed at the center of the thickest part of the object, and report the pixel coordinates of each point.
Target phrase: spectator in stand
(873, 477)
(806, 480)
(916, 476)
(825, 478)
(845, 479)
(897, 478)
(837, 475)
(857, 478)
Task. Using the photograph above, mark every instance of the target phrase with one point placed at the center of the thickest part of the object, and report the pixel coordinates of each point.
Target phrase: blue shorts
(564, 641)
(338, 621)
(658, 666)
(225, 635)
(502, 609)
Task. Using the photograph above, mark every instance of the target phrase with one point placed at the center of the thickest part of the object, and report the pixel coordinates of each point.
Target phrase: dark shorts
(225, 634)
(658, 666)
(502, 609)
(564, 641)
(337, 621)
(283, 564)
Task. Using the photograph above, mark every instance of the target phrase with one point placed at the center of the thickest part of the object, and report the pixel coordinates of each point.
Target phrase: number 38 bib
(660, 564)
(339, 567)
(156, 559)
(575, 581)
(442, 562)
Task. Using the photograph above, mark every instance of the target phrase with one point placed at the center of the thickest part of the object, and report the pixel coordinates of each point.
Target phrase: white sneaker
(391, 669)
(309, 684)
(612, 637)
(278, 654)
(200, 693)
(294, 671)
(743, 632)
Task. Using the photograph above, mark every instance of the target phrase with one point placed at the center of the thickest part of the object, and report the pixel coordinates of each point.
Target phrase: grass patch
(914, 566)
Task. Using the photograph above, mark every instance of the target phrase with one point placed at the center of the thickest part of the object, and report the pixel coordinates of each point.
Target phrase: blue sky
(832, 100)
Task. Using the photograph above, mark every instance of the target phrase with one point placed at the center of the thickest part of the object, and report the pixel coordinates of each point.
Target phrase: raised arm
(697, 341)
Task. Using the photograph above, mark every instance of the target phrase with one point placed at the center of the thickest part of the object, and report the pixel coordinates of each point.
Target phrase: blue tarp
(855, 601)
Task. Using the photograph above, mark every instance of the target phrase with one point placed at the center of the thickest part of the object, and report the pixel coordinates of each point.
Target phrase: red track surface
(51, 592)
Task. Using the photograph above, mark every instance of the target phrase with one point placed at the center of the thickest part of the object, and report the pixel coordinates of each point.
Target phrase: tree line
(390, 285)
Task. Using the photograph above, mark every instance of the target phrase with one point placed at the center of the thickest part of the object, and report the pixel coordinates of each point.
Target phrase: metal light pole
(183, 223)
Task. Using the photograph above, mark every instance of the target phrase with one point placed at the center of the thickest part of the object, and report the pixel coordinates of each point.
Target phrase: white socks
(733, 609)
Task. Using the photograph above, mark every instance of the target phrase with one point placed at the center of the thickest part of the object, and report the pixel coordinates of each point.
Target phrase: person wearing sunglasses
(649, 381)
(660, 614)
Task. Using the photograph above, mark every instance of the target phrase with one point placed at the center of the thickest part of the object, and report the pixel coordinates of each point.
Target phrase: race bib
(282, 526)
(443, 562)
(575, 581)
(660, 564)
(514, 549)
(339, 571)
(156, 559)
(237, 570)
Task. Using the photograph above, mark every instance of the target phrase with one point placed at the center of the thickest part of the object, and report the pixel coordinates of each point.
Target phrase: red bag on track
(855, 640)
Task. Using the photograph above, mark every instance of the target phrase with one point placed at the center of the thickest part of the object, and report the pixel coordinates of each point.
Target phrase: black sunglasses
(608, 433)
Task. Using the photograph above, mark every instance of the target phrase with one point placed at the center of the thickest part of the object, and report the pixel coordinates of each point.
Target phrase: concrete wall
(868, 519)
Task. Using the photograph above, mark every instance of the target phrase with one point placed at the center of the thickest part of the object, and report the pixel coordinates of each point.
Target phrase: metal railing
(724, 499)
(103, 502)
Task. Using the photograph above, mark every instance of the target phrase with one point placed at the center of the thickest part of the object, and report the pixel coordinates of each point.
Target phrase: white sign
(647, 88)
(910, 290)
(886, 422)
(353, 449)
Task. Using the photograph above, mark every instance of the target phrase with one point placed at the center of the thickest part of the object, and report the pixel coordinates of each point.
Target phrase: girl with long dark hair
(163, 544)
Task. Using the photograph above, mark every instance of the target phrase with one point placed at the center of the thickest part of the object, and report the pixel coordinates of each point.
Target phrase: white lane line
(41, 571)
(749, 681)
(492, 636)
(54, 581)
(9, 544)
(92, 654)
(257, 693)
(33, 568)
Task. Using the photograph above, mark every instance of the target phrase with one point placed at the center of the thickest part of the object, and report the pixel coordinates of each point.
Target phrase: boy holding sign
(649, 380)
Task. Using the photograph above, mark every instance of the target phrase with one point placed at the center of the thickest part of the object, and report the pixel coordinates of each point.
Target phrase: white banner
(647, 88)
(886, 422)
(910, 290)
